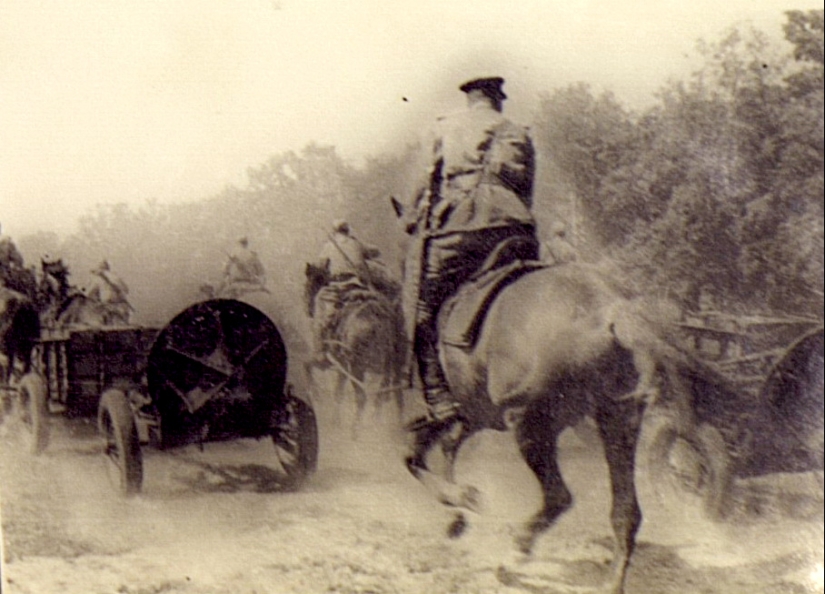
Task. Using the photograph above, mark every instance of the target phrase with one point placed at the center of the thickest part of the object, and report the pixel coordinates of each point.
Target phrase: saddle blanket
(462, 316)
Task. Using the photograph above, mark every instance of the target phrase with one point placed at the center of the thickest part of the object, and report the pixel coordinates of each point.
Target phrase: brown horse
(558, 344)
(366, 337)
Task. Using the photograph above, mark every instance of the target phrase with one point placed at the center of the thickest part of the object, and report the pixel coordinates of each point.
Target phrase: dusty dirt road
(361, 525)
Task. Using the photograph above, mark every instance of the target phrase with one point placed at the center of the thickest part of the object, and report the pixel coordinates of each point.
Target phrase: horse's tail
(686, 382)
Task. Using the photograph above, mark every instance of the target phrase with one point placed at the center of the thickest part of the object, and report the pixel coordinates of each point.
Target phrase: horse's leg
(340, 385)
(382, 396)
(360, 399)
(619, 424)
(450, 436)
(5, 366)
(537, 439)
(396, 374)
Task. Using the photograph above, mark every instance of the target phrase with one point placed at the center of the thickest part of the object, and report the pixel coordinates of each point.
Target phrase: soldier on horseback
(472, 207)
(348, 267)
(243, 271)
(111, 292)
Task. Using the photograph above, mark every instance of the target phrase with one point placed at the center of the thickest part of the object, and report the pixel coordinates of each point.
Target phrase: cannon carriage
(216, 372)
(763, 414)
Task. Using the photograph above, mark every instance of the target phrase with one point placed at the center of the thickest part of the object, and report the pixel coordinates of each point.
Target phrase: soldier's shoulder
(511, 128)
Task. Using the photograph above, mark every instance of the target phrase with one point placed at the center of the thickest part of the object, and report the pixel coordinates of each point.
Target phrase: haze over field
(119, 102)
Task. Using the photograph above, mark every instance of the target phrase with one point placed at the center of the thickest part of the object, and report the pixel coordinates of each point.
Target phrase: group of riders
(105, 299)
(471, 212)
(50, 290)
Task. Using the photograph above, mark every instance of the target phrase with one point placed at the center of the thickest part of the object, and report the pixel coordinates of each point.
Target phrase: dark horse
(558, 344)
(19, 332)
(366, 337)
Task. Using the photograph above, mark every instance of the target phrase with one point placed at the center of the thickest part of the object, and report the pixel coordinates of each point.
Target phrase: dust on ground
(362, 525)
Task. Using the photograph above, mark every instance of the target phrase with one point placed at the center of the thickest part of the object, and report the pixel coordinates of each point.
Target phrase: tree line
(717, 189)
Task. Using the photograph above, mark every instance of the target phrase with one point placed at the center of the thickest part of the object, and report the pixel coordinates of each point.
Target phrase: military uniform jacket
(345, 254)
(244, 266)
(108, 288)
(481, 174)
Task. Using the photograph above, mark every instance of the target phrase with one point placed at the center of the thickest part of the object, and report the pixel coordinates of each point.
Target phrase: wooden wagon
(216, 372)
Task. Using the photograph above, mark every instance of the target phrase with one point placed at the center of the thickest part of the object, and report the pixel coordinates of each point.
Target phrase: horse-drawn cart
(216, 372)
(746, 425)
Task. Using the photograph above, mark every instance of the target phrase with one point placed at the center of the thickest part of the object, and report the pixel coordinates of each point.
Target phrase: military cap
(490, 85)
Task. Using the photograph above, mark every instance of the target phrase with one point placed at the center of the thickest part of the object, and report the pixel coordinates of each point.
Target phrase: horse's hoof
(471, 499)
(415, 465)
(524, 542)
(457, 527)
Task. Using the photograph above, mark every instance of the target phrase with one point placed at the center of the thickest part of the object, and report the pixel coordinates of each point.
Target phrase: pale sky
(105, 101)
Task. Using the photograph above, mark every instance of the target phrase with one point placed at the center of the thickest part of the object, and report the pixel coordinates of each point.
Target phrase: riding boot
(442, 416)
(441, 406)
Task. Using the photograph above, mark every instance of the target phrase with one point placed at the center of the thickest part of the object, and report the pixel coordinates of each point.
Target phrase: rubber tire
(300, 429)
(32, 410)
(708, 446)
(121, 444)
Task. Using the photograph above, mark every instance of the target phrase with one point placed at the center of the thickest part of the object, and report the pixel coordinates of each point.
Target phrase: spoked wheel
(696, 464)
(216, 372)
(124, 460)
(31, 410)
(295, 436)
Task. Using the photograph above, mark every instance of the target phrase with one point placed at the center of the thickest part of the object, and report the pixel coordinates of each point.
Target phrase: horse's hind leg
(381, 397)
(360, 400)
(338, 396)
(537, 442)
(619, 424)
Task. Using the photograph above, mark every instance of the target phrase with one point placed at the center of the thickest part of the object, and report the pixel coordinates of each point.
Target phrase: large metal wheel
(217, 372)
(694, 463)
(295, 436)
(789, 435)
(32, 412)
(124, 459)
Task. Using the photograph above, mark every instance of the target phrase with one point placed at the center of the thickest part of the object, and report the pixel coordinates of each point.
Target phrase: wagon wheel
(121, 442)
(31, 410)
(216, 372)
(695, 463)
(295, 437)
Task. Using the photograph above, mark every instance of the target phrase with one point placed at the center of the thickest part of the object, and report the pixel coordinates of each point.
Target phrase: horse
(19, 332)
(366, 336)
(558, 344)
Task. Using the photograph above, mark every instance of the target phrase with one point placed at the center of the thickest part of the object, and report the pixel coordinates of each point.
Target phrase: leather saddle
(462, 315)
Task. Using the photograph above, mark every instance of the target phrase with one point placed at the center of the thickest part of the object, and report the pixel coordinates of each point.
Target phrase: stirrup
(432, 422)
(443, 411)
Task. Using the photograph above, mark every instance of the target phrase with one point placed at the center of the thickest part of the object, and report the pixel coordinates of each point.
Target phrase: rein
(340, 367)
